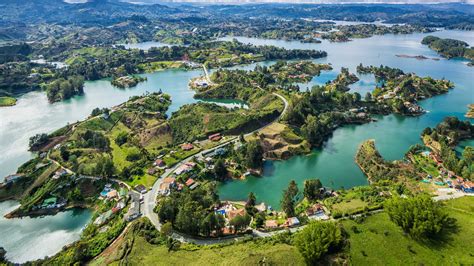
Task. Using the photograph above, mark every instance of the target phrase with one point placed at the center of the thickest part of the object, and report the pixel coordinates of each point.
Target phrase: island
(63, 89)
(127, 81)
(450, 48)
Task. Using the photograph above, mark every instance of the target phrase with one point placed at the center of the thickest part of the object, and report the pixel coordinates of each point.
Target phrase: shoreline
(17, 213)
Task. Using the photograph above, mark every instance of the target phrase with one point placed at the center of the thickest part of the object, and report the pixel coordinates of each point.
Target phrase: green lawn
(146, 180)
(7, 101)
(249, 253)
(351, 206)
(381, 242)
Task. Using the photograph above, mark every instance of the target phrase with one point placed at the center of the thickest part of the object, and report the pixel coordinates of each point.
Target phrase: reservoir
(333, 164)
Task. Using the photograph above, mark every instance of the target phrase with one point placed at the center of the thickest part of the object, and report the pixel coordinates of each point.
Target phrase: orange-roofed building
(271, 224)
(234, 213)
(187, 146)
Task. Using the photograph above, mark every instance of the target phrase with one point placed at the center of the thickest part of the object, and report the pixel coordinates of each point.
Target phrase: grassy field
(159, 65)
(146, 180)
(7, 101)
(378, 241)
(249, 253)
(349, 207)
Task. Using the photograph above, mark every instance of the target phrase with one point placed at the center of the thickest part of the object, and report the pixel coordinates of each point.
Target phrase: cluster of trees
(318, 239)
(14, 52)
(93, 139)
(290, 198)
(381, 73)
(191, 211)
(319, 111)
(345, 32)
(220, 170)
(38, 140)
(3, 253)
(97, 111)
(448, 133)
(253, 152)
(63, 89)
(121, 138)
(312, 189)
(419, 216)
(449, 48)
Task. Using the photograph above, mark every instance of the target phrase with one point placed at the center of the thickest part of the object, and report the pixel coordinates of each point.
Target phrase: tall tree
(220, 171)
(289, 199)
(254, 154)
(250, 204)
(419, 216)
(312, 189)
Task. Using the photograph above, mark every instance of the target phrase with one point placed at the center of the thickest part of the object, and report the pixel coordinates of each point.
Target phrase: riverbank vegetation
(127, 81)
(64, 89)
(7, 101)
(344, 33)
(109, 223)
(443, 139)
(425, 168)
(449, 48)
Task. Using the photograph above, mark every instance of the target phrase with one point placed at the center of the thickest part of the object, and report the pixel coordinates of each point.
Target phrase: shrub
(419, 216)
(317, 239)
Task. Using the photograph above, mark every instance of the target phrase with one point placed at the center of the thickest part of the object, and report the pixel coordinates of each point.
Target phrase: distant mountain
(302, 1)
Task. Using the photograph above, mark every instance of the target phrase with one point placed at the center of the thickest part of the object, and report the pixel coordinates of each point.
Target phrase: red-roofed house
(271, 224)
(159, 163)
(215, 137)
(189, 182)
(187, 146)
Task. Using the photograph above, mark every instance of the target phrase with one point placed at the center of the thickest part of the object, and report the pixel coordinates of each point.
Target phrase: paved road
(150, 197)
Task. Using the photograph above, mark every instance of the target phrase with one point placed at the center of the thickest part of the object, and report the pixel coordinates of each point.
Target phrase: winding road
(150, 197)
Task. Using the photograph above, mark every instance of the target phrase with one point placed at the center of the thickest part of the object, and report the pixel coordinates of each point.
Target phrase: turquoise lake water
(34, 238)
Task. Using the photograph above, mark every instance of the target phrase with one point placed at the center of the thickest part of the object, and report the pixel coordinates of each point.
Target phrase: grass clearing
(146, 180)
(349, 206)
(378, 241)
(249, 253)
